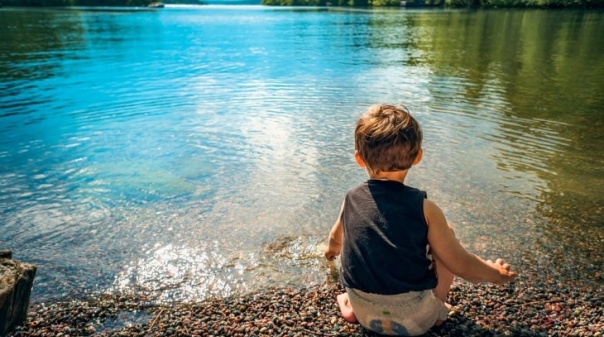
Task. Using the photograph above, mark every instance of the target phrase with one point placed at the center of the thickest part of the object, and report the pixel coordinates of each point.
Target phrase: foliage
(344, 3)
(526, 3)
(385, 3)
(61, 3)
(444, 3)
(294, 2)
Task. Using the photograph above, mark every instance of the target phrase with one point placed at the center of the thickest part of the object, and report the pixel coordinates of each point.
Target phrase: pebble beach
(528, 306)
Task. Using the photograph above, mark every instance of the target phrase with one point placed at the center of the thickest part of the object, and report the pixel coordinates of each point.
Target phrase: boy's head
(387, 138)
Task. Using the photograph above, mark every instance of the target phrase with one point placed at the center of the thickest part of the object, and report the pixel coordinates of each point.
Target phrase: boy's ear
(357, 157)
(419, 156)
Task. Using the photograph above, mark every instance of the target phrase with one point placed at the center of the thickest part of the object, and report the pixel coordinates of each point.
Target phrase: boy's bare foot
(346, 308)
(439, 322)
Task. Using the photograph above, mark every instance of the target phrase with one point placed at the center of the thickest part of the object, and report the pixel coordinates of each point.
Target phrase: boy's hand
(334, 242)
(505, 275)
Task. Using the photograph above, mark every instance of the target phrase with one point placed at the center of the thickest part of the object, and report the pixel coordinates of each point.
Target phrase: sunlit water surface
(198, 151)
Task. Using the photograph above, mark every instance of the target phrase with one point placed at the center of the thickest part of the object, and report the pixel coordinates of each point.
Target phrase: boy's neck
(398, 176)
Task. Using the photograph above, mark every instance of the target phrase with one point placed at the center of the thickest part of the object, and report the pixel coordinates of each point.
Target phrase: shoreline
(525, 307)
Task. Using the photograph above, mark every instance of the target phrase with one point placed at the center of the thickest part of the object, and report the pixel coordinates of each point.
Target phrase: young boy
(399, 255)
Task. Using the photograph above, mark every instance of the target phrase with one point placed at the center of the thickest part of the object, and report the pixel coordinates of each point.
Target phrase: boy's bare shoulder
(432, 212)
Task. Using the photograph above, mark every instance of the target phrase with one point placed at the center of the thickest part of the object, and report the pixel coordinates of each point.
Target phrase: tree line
(341, 3)
(68, 3)
(442, 3)
(108, 3)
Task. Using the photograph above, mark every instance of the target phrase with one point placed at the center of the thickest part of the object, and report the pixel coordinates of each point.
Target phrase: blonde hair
(387, 138)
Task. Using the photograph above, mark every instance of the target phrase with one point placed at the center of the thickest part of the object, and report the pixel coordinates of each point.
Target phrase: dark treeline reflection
(551, 68)
(33, 41)
(34, 45)
(41, 44)
(545, 70)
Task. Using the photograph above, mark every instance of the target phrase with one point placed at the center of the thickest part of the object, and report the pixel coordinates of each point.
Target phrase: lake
(204, 151)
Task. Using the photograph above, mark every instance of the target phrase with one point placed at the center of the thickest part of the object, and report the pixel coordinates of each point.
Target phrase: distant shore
(548, 4)
(526, 307)
(94, 3)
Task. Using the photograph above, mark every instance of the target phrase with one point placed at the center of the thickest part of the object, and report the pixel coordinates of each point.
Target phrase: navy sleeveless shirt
(385, 248)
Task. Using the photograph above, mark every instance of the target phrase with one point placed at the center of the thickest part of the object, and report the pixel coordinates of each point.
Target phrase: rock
(16, 281)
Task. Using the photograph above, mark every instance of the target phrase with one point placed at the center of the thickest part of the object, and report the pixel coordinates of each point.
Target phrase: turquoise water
(197, 151)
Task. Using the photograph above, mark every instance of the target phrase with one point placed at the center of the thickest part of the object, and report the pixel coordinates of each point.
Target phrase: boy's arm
(455, 257)
(334, 242)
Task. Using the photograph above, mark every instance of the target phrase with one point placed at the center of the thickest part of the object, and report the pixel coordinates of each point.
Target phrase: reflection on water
(174, 273)
(192, 152)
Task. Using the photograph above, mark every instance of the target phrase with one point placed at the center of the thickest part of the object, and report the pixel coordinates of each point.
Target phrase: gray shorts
(407, 314)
